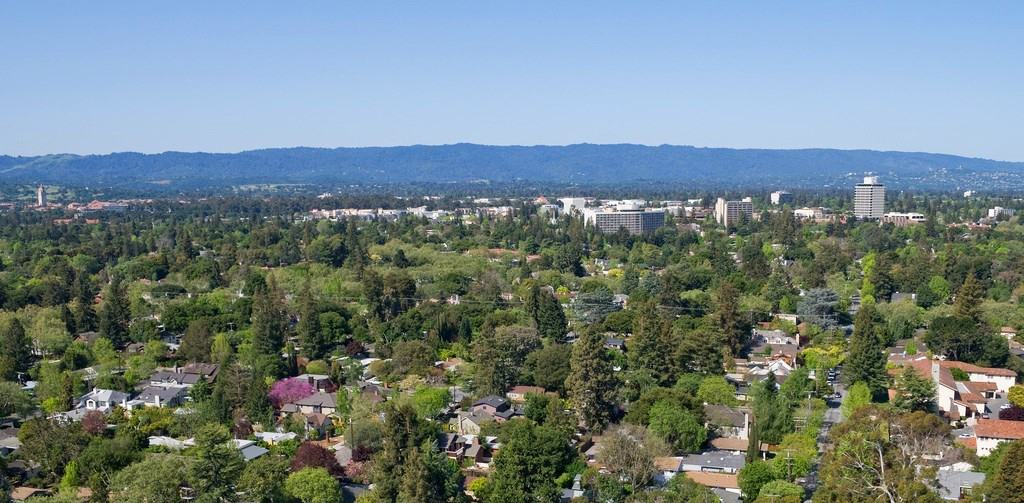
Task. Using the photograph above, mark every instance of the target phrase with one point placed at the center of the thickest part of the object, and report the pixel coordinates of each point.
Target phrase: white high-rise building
(570, 204)
(41, 196)
(781, 197)
(869, 199)
(729, 212)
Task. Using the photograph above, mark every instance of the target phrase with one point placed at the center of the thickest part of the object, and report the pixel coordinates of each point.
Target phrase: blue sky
(97, 77)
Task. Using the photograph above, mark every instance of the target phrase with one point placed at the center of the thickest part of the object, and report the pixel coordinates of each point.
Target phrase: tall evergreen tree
(729, 320)
(550, 318)
(771, 411)
(969, 297)
(258, 407)
(647, 347)
(866, 362)
(314, 344)
(1008, 483)
(196, 343)
(269, 323)
(591, 382)
(115, 312)
(15, 350)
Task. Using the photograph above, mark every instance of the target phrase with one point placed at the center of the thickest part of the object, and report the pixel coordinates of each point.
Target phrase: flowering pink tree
(290, 390)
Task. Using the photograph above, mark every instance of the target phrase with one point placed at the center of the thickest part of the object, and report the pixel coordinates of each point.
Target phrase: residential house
(957, 485)
(317, 403)
(518, 393)
(665, 468)
(992, 432)
(23, 493)
(958, 399)
(728, 422)
(725, 481)
(1008, 332)
(499, 408)
(248, 449)
(712, 461)
(616, 343)
(772, 337)
(320, 383)
(103, 400)
(157, 396)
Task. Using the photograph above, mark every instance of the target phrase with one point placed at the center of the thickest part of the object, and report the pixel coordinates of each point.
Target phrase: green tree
(217, 465)
(859, 394)
(268, 325)
(312, 339)
(734, 328)
(115, 312)
(1008, 484)
(13, 400)
(530, 459)
(969, 297)
(816, 307)
(700, 351)
(914, 392)
(867, 359)
(677, 426)
(1016, 395)
(195, 344)
(430, 401)
(753, 476)
(646, 347)
(591, 382)
(780, 491)
(15, 349)
(715, 390)
(549, 366)
(774, 416)
(500, 357)
(156, 479)
(313, 485)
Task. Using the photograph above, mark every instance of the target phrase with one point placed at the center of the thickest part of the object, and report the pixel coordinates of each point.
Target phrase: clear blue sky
(97, 77)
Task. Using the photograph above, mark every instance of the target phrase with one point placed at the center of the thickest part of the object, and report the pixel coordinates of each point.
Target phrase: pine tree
(550, 318)
(728, 318)
(591, 382)
(310, 336)
(753, 444)
(1008, 484)
(866, 362)
(258, 407)
(772, 413)
(968, 299)
(647, 349)
(15, 350)
(196, 343)
(268, 325)
(114, 313)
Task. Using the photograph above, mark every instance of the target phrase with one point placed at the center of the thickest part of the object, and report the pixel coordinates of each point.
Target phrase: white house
(992, 432)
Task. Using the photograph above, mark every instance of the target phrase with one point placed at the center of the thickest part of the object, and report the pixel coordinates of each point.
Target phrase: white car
(1005, 406)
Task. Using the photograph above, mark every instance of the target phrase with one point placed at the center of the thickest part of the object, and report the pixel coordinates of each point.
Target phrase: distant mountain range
(577, 164)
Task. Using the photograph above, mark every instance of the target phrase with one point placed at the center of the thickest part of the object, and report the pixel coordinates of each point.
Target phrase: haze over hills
(580, 164)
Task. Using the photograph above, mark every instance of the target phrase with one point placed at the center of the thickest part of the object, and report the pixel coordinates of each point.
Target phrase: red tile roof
(721, 480)
(974, 369)
(999, 428)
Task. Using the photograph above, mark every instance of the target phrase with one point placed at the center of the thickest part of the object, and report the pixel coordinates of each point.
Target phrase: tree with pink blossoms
(290, 390)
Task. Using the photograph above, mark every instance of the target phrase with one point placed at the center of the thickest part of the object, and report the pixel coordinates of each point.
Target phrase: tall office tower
(869, 199)
(41, 195)
(781, 197)
(729, 212)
